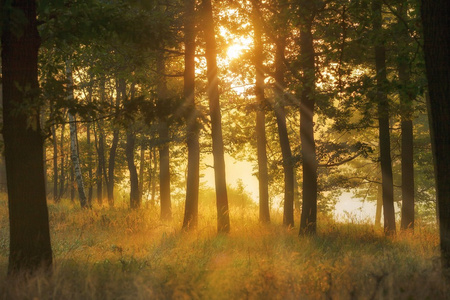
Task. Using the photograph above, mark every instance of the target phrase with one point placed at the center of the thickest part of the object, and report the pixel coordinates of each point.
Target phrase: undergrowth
(116, 253)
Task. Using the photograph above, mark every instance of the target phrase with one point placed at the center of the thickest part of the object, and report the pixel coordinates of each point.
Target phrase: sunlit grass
(121, 254)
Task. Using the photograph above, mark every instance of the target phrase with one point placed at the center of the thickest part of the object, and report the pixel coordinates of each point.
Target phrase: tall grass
(121, 254)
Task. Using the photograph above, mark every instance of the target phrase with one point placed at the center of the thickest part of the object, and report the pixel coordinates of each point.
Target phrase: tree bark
(437, 60)
(164, 139)
(62, 178)
(383, 122)
(223, 219)
(192, 131)
(280, 114)
(406, 105)
(261, 141)
(74, 143)
(308, 222)
(55, 165)
(30, 246)
(141, 169)
(135, 199)
(113, 149)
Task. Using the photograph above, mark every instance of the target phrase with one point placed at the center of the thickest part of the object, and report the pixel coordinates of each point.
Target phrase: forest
(128, 127)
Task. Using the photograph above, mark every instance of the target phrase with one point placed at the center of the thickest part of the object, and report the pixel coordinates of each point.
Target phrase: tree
(223, 219)
(74, 141)
(261, 141)
(192, 124)
(30, 246)
(308, 222)
(437, 59)
(383, 121)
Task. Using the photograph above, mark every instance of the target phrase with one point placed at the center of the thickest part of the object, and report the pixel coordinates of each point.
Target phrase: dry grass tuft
(121, 254)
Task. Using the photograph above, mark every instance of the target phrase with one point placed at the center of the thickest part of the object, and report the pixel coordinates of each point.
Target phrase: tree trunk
(153, 175)
(280, 114)
(135, 199)
(379, 206)
(223, 219)
(89, 159)
(100, 147)
(164, 139)
(141, 170)
(383, 122)
(437, 60)
(55, 165)
(113, 150)
(62, 178)
(74, 142)
(308, 222)
(29, 246)
(261, 141)
(406, 105)
(192, 130)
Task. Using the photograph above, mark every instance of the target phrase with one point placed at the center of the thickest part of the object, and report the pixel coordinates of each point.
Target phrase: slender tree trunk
(406, 104)
(29, 246)
(141, 170)
(62, 178)
(383, 123)
(135, 200)
(164, 139)
(280, 114)
(113, 150)
(437, 60)
(74, 142)
(379, 206)
(223, 219)
(261, 141)
(153, 172)
(89, 159)
(55, 165)
(192, 131)
(308, 222)
(100, 147)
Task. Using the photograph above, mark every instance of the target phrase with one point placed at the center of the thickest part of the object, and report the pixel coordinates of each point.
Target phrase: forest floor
(121, 254)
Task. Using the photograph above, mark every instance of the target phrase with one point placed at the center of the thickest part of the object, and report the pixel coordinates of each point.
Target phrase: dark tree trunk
(135, 199)
(74, 142)
(29, 246)
(89, 163)
(308, 222)
(223, 219)
(100, 147)
(55, 165)
(62, 178)
(192, 130)
(164, 139)
(280, 114)
(383, 122)
(436, 24)
(153, 172)
(113, 149)
(261, 141)
(406, 104)
(141, 169)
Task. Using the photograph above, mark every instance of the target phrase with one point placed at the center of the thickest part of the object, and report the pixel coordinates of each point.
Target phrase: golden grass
(120, 254)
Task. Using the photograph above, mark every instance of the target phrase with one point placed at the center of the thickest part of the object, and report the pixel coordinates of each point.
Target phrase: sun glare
(239, 45)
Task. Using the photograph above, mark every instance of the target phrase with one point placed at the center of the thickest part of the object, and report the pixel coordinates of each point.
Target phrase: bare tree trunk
(74, 142)
(437, 60)
(406, 104)
(192, 127)
(261, 141)
(379, 206)
(55, 165)
(141, 170)
(308, 222)
(280, 114)
(223, 219)
(29, 246)
(164, 139)
(62, 178)
(135, 200)
(383, 123)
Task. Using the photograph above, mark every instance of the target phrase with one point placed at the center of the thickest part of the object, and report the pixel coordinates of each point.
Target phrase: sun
(238, 46)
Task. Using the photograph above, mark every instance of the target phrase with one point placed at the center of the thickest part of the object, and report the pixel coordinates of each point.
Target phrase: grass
(121, 254)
